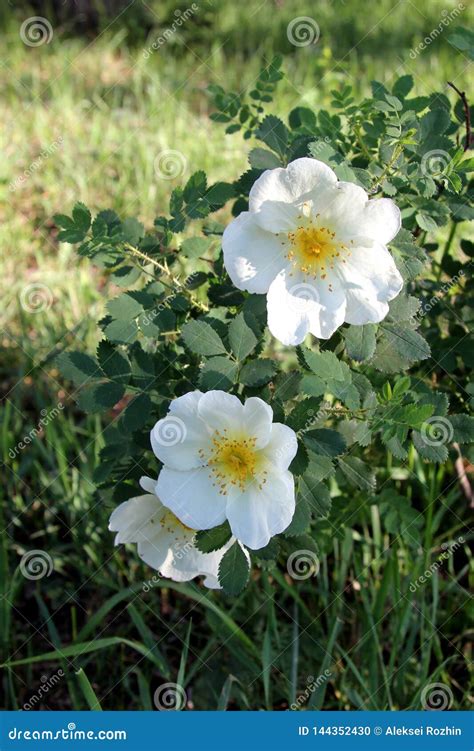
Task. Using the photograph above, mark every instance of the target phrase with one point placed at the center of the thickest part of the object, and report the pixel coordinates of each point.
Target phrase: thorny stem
(467, 113)
(396, 153)
(163, 267)
(360, 142)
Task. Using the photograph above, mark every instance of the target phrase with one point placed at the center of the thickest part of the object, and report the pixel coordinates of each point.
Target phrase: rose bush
(268, 354)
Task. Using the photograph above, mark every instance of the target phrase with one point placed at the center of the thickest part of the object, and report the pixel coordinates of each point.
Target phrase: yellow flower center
(315, 249)
(170, 522)
(234, 460)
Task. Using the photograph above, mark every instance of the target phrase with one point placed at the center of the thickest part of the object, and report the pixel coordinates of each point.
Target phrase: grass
(102, 113)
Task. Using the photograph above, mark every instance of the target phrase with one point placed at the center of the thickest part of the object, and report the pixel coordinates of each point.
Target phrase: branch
(467, 114)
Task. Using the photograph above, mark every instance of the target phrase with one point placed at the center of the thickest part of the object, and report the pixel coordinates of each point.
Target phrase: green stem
(396, 153)
(175, 282)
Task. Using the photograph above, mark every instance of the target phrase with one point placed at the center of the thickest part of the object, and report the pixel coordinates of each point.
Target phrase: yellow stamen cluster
(233, 460)
(315, 248)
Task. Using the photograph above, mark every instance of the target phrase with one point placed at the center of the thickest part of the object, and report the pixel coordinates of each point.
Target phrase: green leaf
(287, 385)
(218, 373)
(208, 540)
(324, 364)
(218, 194)
(257, 372)
(360, 341)
(403, 307)
(201, 338)
(113, 362)
(125, 276)
(100, 396)
(78, 367)
(225, 294)
(315, 494)
(270, 552)
(403, 86)
(263, 159)
(300, 461)
(436, 452)
(463, 40)
(121, 332)
(305, 413)
(194, 247)
(407, 342)
(325, 442)
(463, 428)
(301, 518)
(274, 133)
(242, 340)
(233, 570)
(125, 307)
(413, 415)
(313, 386)
(82, 217)
(358, 473)
(133, 231)
(136, 413)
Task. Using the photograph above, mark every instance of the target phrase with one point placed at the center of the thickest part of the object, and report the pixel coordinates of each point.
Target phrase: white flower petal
(258, 514)
(377, 265)
(221, 411)
(185, 561)
(291, 185)
(363, 307)
(296, 308)
(192, 497)
(148, 484)
(163, 542)
(252, 256)
(277, 217)
(257, 419)
(155, 551)
(136, 519)
(381, 220)
(177, 438)
(370, 280)
(282, 446)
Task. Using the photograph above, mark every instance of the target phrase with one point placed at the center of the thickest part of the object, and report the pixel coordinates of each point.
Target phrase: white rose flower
(164, 543)
(317, 248)
(225, 460)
